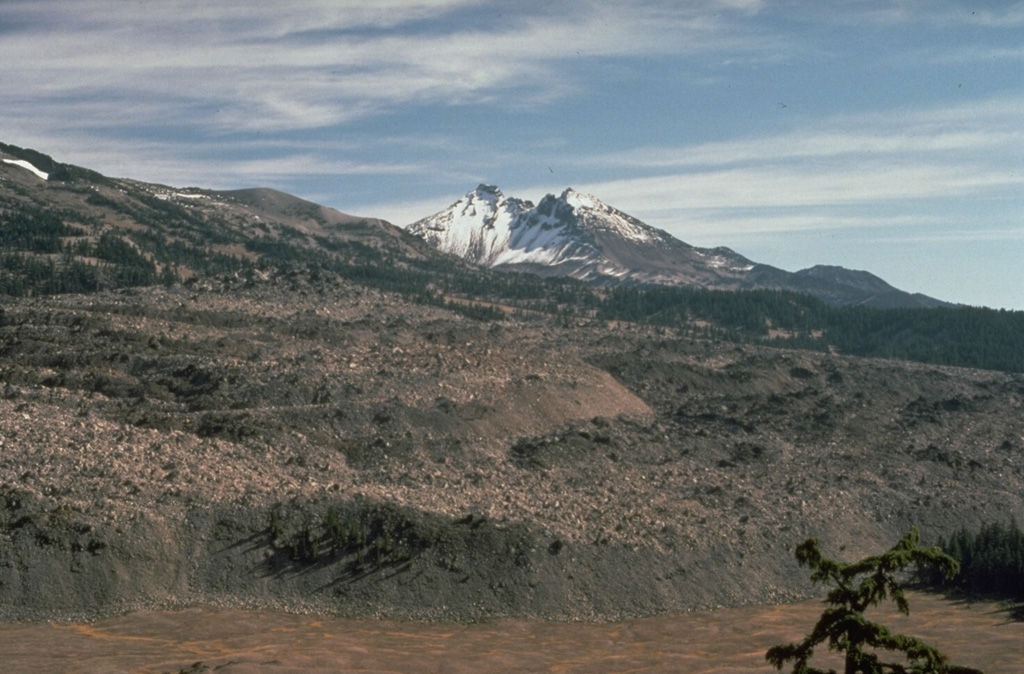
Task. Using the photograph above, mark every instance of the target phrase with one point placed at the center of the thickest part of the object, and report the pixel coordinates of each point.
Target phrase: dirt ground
(726, 641)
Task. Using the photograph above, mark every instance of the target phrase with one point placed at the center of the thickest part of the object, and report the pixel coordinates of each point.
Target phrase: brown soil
(726, 641)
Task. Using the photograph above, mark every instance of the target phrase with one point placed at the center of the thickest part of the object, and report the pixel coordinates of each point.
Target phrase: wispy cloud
(104, 81)
(813, 145)
(781, 186)
(811, 178)
(870, 170)
(316, 64)
(1008, 16)
(975, 127)
(221, 70)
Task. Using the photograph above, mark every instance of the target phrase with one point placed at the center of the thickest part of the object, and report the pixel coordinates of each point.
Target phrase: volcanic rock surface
(282, 439)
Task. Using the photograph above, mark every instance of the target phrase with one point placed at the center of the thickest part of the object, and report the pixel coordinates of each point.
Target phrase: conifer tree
(856, 586)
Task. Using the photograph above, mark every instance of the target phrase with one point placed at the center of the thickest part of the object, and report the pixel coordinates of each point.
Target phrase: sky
(879, 135)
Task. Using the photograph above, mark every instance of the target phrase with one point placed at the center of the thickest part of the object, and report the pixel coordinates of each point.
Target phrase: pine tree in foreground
(857, 586)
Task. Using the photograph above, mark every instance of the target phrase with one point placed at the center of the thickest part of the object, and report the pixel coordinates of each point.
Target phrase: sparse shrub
(305, 547)
(276, 526)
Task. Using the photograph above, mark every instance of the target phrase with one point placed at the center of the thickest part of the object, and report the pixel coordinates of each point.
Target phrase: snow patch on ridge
(601, 216)
(170, 196)
(27, 165)
(578, 200)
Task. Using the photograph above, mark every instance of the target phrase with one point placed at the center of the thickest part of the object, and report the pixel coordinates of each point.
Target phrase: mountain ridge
(579, 236)
(572, 235)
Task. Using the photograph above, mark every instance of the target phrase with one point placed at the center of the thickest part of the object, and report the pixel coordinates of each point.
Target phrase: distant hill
(69, 229)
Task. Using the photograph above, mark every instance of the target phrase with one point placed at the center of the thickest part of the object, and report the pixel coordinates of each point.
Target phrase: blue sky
(886, 136)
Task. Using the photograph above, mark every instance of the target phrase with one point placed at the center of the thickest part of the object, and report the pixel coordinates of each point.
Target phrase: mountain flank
(300, 441)
(243, 398)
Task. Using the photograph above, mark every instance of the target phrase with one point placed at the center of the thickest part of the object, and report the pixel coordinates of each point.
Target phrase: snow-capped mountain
(574, 235)
(577, 235)
(481, 227)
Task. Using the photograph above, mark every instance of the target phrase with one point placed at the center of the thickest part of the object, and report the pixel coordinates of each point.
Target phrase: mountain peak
(577, 235)
(484, 190)
(573, 234)
(579, 200)
(477, 227)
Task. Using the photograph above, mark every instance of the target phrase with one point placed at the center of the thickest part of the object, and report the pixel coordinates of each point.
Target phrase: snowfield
(26, 165)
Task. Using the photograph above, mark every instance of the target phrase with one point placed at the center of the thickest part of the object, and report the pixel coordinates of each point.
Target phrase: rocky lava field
(287, 439)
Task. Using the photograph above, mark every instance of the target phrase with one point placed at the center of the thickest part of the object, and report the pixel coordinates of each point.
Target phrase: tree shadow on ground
(1015, 612)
